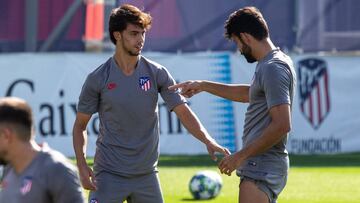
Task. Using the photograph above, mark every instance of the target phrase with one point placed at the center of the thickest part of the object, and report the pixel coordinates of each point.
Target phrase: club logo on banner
(314, 90)
(144, 83)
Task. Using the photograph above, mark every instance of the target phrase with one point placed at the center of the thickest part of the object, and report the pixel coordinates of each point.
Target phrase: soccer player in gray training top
(32, 174)
(124, 91)
(263, 162)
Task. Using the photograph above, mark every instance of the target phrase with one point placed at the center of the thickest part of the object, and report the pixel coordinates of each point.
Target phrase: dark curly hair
(246, 20)
(121, 16)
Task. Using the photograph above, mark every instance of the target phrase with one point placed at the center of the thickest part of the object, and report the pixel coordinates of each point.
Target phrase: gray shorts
(271, 184)
(116, 189)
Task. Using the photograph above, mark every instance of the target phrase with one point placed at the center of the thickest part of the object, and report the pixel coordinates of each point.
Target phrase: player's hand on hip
(229, 163)
(87, 177)
(188, 88)
(214, 147)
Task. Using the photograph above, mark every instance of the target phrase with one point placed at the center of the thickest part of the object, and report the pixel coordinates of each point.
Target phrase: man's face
(244, 49)
(132, 39)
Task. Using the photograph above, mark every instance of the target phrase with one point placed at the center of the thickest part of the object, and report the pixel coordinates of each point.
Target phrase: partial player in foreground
(263, 162)
(32, 174)
(124, 91)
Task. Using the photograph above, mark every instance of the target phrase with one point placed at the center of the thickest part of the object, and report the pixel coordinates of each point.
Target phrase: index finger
(226, 151)
(174, 87)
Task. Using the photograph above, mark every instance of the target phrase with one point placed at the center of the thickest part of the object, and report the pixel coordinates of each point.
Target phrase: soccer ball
(205, 185)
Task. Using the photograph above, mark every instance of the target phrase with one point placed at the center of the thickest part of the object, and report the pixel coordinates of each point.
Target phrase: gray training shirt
(128, 141)
(273, 84)
(50, 178)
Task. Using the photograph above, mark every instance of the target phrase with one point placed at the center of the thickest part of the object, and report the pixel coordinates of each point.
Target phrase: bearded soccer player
(263, 162)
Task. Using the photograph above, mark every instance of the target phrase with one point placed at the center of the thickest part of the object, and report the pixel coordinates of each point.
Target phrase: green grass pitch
(312, 179)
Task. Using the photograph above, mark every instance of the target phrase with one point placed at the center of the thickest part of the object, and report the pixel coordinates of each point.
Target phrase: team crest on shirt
(144, 83)
(26, 185)
(3, 184)
(94, 200)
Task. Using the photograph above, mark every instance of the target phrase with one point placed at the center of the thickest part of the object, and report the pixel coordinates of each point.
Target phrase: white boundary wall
(51, 83)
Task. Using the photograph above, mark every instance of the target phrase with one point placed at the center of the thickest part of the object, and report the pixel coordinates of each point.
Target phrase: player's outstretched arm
(194, 126)
(87, 176)
(234, 92)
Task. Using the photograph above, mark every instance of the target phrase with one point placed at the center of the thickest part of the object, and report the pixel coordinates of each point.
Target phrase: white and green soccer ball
(205, 185)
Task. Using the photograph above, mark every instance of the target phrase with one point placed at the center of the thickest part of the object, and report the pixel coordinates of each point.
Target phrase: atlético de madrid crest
(144, 83)
(26, 185)
(314, 90)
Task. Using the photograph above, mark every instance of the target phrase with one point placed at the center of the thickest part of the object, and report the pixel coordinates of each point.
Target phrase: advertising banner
(51, 83)
(326, 115)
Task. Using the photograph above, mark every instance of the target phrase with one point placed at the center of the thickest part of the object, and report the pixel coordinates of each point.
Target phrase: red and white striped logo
(144, 83)
(26, 185)
(314, 90)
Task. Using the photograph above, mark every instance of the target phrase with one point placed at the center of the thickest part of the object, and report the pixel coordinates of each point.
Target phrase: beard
(249, 58)
(247, 54)
(2, 159)
(3, 162)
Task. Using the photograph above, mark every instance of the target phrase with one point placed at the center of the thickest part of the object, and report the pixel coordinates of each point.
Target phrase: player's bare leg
(250, 193)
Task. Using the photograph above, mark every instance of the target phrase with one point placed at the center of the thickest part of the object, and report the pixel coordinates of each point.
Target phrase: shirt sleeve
(64, 184)
(89, 96)
(276, 85)
(171, 98)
